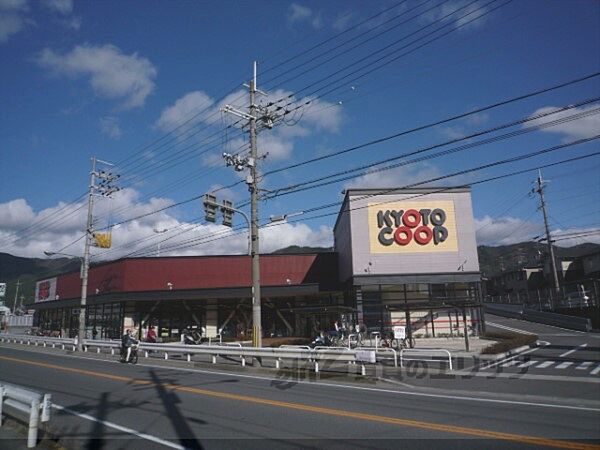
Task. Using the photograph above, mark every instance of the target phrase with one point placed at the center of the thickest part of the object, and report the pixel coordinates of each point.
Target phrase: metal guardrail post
(2, 394)
(34, 418)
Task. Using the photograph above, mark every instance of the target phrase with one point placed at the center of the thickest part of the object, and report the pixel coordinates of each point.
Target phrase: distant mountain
(26, 271)
(493, 260)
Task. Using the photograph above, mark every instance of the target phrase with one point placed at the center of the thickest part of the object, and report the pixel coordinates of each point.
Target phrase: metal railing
(221, 350)
(418, 351)
(27, 402)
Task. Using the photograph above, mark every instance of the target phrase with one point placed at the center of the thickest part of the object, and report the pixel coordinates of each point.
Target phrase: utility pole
(540, 190)
(104, 189)
(266, 119)
(16, 294)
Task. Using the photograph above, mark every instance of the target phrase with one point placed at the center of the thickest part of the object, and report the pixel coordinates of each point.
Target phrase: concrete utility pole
(266, 119)
(16, 294)
(540, 190)
(85, 264)
(103, 189)
(254, 249)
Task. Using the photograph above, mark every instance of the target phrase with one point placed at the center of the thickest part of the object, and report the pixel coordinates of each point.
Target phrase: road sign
(399, 333)
(365, 356)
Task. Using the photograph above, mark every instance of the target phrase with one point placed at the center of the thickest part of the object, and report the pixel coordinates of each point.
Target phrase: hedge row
(507, 340)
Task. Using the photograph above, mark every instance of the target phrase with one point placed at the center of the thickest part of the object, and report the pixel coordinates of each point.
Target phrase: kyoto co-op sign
(412, 227)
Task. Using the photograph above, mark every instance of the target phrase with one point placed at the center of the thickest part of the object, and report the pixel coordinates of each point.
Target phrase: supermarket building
(403, 257)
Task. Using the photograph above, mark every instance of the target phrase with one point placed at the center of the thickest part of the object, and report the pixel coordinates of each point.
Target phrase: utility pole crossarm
(236, 112)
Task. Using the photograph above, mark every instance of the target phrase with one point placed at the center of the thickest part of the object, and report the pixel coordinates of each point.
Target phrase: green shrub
(507, 340)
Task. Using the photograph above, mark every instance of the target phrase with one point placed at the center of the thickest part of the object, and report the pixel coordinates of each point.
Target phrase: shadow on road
(96, 439)
(170, 399)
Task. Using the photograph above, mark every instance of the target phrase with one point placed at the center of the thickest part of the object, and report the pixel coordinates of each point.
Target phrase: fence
(421, 351)
(572, 295)
(28, 402)
(316, 356)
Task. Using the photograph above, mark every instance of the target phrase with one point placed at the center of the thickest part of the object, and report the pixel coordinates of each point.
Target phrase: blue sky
(115, 79)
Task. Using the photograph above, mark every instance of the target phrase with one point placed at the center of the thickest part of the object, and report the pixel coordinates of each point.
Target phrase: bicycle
(397, 344)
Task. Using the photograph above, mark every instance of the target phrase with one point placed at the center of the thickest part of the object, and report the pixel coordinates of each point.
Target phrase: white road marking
(564, 365)
(511, 363)
(387, 391)
(527, 364)
(572, 351)
(551, 326)
(545, 364)
(596, 370)
(504, 327)
(584, 365)
(502, 361)
(148, 437)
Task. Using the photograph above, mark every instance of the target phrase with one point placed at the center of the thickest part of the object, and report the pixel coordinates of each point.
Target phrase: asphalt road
(106, 405)
(562, 353)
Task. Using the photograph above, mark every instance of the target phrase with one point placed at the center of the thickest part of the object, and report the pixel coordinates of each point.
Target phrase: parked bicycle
(389, 341)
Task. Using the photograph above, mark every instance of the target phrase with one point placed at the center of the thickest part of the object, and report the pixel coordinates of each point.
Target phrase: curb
(514, 351)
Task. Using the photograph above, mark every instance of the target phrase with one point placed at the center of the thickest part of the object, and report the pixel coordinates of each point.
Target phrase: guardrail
(384, 350)
(548, 318)
(222, 350)
(421, 351)
(28, 402)
(559, 320)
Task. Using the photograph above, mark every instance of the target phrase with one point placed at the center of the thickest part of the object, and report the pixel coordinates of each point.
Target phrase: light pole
(157, 231)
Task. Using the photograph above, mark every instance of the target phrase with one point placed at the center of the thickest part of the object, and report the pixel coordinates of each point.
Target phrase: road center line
(148, 437)
(373, 389)
(488, 434)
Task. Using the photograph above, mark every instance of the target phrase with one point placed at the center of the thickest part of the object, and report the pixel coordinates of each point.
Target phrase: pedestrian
(151, 335)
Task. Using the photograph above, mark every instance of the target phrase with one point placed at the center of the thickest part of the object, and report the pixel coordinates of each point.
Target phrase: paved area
(103, 404)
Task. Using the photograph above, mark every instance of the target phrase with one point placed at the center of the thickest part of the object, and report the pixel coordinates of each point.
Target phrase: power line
(434, 124)
(344, 175)
(383, 192)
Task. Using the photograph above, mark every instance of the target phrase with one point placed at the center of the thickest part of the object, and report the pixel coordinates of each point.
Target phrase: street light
(284, 217)
(157, 231)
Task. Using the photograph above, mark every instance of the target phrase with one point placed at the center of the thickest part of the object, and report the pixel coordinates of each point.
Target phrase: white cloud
(190, 106)
(112, 74)
(138, 235)
(505, 230)
(342, 21)
(110, 127)
(15, 214)
(398, 177)
(12, 18)
(302, 14)
(275, 146)
(581, 128)
(318, 116)
(298, 13)
(74, 23)
(64, 7)
(468, 11)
